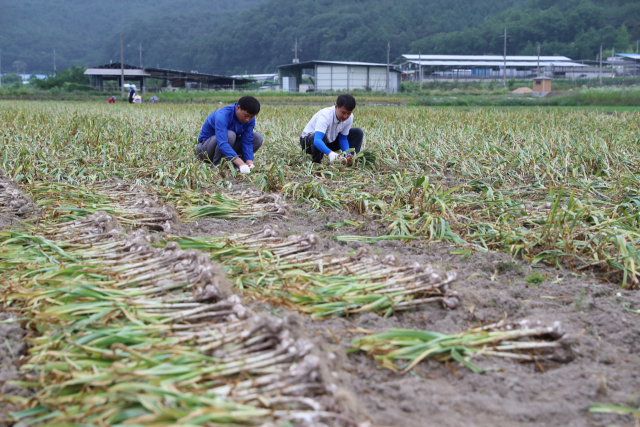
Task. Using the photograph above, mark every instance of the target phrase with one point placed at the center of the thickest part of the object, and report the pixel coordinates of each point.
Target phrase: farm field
(476, 267)
(609, 109)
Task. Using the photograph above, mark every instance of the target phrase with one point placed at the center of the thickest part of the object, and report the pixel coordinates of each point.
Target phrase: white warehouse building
(479, 67)
(339, 75)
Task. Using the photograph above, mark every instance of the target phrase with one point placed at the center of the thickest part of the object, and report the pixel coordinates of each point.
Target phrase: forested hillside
(575, 28)
(79, 29)
(257, 35)
(261, 38)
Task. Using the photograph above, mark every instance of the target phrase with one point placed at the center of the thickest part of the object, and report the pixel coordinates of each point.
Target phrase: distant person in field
(228, 134)
(330, 130)
(153, 99)
(112, 100)
(132, 94)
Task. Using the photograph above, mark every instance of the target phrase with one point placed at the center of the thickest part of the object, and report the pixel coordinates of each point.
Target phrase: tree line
(255, 36)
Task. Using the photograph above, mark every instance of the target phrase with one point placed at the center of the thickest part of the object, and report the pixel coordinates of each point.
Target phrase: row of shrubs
(70, 80)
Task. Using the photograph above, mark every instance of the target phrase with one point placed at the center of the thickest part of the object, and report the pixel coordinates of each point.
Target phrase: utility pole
(538, 59)
(388, 50)
(613, 59)
(420, 68)
(55, 69)
(140, 55)
(504, 68)
(600, 65)
(295, 49)
(121, 66)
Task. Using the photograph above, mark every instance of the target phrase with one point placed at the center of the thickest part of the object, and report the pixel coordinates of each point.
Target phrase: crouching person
(228, 134)
(330, 129)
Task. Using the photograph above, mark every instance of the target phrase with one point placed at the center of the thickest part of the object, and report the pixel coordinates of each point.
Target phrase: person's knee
(356, 133)
(231, 137)
(257, 141)
(355, 138)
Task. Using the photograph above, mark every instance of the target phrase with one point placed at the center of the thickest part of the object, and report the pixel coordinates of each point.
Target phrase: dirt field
(603, 366)
(515, 181)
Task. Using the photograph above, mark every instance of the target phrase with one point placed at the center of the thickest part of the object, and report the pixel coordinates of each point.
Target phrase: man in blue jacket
(228, 134)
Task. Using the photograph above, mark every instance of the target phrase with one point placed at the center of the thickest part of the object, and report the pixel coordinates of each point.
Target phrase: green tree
(73, 77)
(8, 79)
(623, 39)
(20, 66)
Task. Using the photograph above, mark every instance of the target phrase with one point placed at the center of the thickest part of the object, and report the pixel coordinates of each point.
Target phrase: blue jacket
(223, 120)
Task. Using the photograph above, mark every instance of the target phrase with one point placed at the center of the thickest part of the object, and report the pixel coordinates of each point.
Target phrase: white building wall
(323, 79)
(378, 78)
(342, 77)
(358, 78)
(394, 82)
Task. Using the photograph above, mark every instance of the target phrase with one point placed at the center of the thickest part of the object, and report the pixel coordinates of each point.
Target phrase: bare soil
(599, 319)
(13, 347)
(8, 221)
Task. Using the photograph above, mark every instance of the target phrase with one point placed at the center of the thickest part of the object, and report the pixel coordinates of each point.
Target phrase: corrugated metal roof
(483, 57)
(498, 63)
(316, 61)
(95, 71)
(629, 55)
(370, 64)
(160, 73)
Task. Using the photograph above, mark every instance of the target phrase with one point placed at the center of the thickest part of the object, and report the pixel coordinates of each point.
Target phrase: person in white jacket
(329, 130)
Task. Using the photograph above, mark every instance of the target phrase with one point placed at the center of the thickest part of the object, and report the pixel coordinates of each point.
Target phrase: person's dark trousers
(355, 141)
(209, 151)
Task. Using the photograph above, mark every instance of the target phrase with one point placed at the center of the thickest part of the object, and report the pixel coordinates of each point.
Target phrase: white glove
(250, 165)
(333, 156)
(245, 169)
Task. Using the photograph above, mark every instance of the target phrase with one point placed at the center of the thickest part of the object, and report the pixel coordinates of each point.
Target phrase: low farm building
(482, 67)
(174, 78)
(339, 75)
